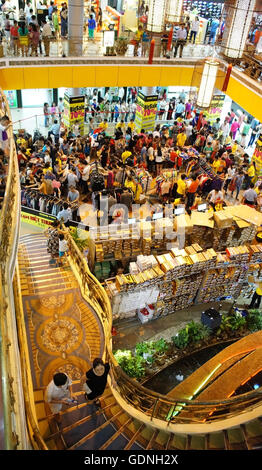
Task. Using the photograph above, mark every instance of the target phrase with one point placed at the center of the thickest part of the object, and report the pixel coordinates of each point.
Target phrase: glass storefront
(33, 98)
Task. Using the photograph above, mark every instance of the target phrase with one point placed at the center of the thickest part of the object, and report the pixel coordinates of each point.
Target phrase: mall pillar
(156, 21)
(74, 110)
(75, 27)
(174, 10)
(146, 109)
(238, 16)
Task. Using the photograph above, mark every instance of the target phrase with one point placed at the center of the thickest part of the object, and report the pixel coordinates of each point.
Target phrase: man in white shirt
(46, 36)
(59, 393)
(194, 29)
(123, 110)
(181, 40)
(224, 128)
(189, 130)
(214, 197)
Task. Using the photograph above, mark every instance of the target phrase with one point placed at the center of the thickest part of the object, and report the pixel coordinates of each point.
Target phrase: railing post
(151, 52)
(154, 408)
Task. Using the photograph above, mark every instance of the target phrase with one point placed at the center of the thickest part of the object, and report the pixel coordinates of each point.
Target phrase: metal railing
(9, 233)
(152, 404)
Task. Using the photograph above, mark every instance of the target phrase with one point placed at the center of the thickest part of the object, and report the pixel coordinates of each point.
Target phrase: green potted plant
(161, 346)
(197, 332)
(121, 45)
(82, 243)
(181, 339)
(254, 320)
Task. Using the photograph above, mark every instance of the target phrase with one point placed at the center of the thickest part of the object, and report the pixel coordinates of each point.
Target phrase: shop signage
(146, 110)
(33, 217)
(74, 112)
(216, 108)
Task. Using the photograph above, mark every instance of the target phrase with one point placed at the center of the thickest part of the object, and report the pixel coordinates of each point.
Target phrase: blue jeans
(252, 139)
(212, 38)
(46, 120)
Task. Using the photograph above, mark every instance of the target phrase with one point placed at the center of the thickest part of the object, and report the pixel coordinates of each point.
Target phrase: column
(156, 21)
(238, 14)
(146, 109)
(75, 27)
(174, 10)
(74, 110)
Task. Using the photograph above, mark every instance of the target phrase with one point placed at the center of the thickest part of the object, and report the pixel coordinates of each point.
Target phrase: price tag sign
(109, 38)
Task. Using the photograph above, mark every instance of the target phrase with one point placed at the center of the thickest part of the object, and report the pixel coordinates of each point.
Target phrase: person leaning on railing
(46, 36)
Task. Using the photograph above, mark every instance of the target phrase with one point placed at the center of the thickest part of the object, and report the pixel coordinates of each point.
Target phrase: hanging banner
(215, 109)
(74, 113)
(34, 217)
(146, 110)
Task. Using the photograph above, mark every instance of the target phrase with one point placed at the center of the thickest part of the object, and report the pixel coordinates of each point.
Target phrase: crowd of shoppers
(79, 169)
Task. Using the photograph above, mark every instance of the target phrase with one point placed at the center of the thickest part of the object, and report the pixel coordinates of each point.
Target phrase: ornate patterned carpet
(64, 334)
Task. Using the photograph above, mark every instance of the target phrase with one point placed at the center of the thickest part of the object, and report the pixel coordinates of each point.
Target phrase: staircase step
(216, 441)
(78, 413)
(118, 432)
(99, 438)
(136, 446)
(178, 442)
(236, 439)
(76, 434)
(198, 442)
(162, 438)
(118, 444)
(90, 435)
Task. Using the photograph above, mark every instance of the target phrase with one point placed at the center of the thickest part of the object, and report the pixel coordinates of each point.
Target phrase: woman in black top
(94, 381)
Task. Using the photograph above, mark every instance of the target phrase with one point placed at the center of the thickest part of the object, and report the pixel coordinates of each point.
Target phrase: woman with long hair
(23, 38)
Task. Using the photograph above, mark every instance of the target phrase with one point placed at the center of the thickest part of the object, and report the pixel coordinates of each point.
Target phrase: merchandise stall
(160, 285)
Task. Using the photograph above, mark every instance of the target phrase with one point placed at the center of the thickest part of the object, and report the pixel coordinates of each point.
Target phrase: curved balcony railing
(17, 406)
(9, 233)
(153, 405)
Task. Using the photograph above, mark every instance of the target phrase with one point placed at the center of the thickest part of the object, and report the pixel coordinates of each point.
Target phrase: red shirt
(173, 156)
(14, 31)
(193, 187)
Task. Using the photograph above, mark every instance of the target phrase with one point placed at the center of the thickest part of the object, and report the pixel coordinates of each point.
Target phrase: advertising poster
(74, 112)
(146, 111)
(33, 217)
(216, 108)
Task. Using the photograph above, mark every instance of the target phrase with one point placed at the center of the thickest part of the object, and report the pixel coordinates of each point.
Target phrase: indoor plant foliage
(146, 358)
(231, 325)
(254, 320)
(134, 366)
(121, 45)
(82, 243)
(193, 333)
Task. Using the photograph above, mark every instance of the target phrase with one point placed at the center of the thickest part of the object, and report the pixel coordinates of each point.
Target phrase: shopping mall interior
(131, 225)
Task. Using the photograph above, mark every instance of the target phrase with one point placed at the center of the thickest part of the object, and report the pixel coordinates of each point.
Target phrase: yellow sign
(146, 110)
(74, 112)
(215, 109)
(33, 217)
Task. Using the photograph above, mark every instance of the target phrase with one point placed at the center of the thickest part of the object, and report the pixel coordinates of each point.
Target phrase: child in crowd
(63, 248)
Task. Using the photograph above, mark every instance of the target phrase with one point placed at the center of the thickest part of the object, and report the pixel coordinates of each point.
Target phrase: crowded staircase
(110, 427)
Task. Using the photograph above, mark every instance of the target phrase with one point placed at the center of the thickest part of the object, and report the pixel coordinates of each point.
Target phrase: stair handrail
(141, 398)
(12, 394)
(36, 438)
